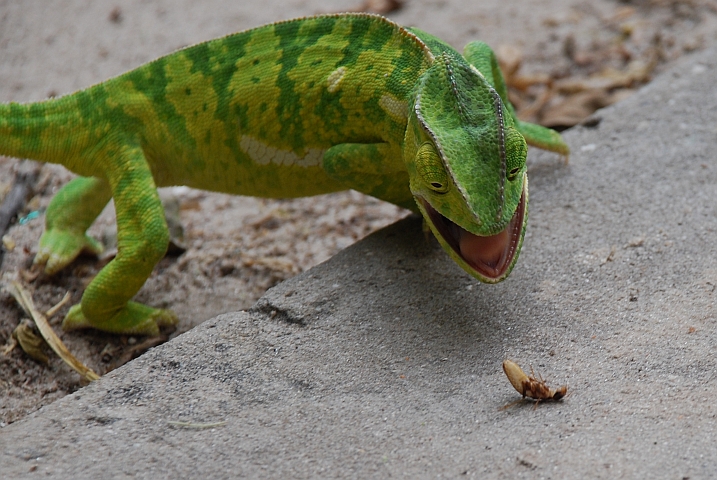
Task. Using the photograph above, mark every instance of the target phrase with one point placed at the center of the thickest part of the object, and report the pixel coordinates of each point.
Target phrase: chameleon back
(250, 113)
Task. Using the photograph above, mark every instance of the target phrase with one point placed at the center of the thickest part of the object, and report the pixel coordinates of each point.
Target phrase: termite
(530, 386)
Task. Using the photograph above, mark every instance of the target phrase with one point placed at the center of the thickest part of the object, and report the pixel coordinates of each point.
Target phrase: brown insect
(530, 386)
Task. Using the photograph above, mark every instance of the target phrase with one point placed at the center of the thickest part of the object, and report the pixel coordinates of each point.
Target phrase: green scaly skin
(290, 109)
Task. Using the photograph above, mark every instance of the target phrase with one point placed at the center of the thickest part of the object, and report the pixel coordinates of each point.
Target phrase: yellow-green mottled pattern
(278, 86)
(297, 87)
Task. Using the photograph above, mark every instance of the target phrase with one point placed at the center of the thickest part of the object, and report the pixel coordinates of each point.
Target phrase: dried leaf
(531, 111)
(25, 301)
(381, 6)
(523, 82)
(575, 108)
(30, 342)
(510, 59)
(575, 85)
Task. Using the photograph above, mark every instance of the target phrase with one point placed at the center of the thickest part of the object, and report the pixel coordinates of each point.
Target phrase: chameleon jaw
(488, 258)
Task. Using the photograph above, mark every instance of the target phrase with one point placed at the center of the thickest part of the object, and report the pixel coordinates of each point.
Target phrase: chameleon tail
(47, 131)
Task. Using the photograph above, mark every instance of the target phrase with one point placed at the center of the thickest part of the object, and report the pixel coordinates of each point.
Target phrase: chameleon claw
(133, 319)
(60, 248)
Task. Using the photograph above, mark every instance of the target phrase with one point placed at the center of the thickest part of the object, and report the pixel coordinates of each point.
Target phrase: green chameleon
(294, 108)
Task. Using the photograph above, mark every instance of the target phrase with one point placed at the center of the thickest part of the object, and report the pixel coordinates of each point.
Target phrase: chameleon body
(294, 108)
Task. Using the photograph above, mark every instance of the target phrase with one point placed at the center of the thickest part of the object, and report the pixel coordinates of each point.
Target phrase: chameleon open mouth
(491, 256)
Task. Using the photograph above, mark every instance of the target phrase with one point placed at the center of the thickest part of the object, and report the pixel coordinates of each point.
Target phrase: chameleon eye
(430, 168)
(515, 152)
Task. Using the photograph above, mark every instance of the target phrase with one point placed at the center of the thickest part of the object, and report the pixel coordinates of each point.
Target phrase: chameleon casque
(295, 108)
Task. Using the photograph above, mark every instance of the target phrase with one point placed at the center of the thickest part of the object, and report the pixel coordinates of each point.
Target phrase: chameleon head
(467, 169)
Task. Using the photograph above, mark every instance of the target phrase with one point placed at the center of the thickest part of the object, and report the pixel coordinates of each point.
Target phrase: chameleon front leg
(142, 239)
(482, 57)
(69, 215)
(375, 169)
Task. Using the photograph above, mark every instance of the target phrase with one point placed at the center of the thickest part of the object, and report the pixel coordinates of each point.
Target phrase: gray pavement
(386, 360)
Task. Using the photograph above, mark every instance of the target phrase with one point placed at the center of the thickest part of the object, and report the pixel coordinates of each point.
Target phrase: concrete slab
(385, 361)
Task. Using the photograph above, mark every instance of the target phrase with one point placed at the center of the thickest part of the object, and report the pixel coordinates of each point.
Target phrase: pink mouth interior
(490, 256)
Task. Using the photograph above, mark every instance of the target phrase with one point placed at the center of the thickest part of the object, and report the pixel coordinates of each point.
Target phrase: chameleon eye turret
(430, 167)
(516, 152)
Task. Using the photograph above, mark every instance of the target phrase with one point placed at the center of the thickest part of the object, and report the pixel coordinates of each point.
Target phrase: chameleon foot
(133, 319)
(59, 248)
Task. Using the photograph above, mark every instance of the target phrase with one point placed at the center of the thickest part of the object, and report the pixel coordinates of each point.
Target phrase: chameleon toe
(134, 319)
(60, 248)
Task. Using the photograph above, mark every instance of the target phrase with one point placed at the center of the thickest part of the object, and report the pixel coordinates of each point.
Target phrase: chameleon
(293, 108)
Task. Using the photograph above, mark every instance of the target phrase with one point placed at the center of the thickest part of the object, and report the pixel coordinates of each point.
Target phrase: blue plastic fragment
(29, 217)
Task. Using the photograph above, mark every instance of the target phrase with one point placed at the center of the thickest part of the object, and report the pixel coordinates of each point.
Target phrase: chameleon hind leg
(142, 239)
(69, 215)
(482, 57)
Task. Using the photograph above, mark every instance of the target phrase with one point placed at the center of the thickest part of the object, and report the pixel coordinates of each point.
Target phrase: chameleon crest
(290, 109)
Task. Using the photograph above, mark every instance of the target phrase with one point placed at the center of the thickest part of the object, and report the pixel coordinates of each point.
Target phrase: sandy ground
(237, 247)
